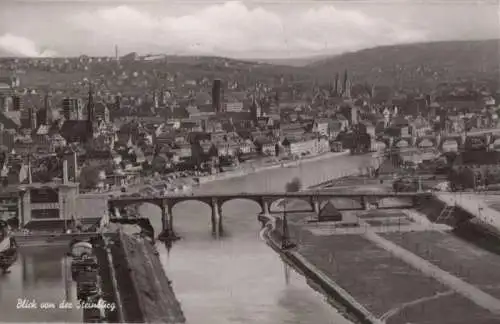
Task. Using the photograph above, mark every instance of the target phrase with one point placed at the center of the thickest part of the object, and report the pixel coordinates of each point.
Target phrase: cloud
(233, 29)
(20, 46)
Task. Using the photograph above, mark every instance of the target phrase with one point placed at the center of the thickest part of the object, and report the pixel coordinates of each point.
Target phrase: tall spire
(90, 105)
(47, 111)
(90, 114)
(344, 83)
(336, 90)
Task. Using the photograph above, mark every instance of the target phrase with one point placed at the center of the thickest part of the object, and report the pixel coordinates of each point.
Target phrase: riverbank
(188, 183)
(397, 268)
(251, 169)
(336, 296)
(340, 299)
(142, 290)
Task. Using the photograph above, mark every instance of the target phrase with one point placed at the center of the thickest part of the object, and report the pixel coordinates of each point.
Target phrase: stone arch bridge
(264, 200)
(484, 138)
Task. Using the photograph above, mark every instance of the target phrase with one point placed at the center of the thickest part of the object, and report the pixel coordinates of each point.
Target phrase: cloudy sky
(240, 29)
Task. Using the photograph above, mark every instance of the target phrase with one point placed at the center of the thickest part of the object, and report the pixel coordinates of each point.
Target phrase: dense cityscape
(85, 136)
(132, 118)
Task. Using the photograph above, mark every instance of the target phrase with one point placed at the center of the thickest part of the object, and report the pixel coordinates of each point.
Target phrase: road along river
(238, 278)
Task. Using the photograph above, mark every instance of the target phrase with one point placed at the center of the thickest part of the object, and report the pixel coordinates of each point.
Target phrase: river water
(232, 280)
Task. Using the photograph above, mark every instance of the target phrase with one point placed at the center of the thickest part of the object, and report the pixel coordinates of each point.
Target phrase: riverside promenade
(394, 267)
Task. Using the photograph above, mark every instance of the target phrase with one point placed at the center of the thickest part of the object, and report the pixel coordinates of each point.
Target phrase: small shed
(329, 213)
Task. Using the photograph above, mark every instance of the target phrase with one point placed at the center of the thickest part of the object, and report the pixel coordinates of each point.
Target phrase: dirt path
(465, 289)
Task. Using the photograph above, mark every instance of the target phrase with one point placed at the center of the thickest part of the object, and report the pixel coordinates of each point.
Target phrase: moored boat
(7, 258)
(8, 248)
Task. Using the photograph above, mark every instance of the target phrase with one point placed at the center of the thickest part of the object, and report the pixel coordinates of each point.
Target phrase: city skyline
(237, 29)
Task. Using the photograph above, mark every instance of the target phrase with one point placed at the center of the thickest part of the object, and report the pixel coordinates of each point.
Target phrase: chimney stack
(75, 167)
(30, 178)
(65, 171)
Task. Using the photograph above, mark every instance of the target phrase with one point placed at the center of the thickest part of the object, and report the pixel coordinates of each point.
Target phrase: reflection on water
(239, 279)
(42, 275)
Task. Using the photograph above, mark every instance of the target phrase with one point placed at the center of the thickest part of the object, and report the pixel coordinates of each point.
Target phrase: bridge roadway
(265, 200)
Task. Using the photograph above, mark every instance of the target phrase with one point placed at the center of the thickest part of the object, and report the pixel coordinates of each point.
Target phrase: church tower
(255, 110)
(344, 83)
(336, 89)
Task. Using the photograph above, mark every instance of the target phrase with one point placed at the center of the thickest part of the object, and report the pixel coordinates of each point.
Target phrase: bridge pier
(315, 205)
(216, 218)
(167, 221)
(364, 205)
(265, 207)
(265, 211)
(415, 201)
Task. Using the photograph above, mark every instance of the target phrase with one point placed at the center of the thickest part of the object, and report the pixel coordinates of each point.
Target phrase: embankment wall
(143, 288)
(337, 296)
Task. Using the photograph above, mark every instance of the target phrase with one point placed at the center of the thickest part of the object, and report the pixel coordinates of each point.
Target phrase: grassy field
(468, 262)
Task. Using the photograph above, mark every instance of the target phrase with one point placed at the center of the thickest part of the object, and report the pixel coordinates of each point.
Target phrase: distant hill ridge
(446, 58)
(411, 65)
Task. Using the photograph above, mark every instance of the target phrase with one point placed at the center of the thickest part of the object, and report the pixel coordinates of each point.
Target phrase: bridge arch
(402, 142)
(421, 140)
(174, 202)
(449, 143)
(380, 145)
(152, 212)
(385, 140)
(256, 200)
(457, 139)
(292, 204)
(191, 216)
(495, 140)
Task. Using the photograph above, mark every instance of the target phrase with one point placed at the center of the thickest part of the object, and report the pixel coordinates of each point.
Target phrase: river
(232, 280)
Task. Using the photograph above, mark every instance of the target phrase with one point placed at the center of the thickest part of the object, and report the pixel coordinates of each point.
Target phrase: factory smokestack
(65, 171)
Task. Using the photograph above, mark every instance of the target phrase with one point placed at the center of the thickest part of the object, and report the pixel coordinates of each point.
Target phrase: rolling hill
(421, 66)
(417, 63)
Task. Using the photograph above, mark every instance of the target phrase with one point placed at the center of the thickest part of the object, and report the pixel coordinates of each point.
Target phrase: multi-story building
(321, 126)
(17, 103)
(233, 106)
(72, 109)
(48, 202)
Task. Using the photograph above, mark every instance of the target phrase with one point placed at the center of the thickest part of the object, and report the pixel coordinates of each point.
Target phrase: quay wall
(338, 297)
(139, 282)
